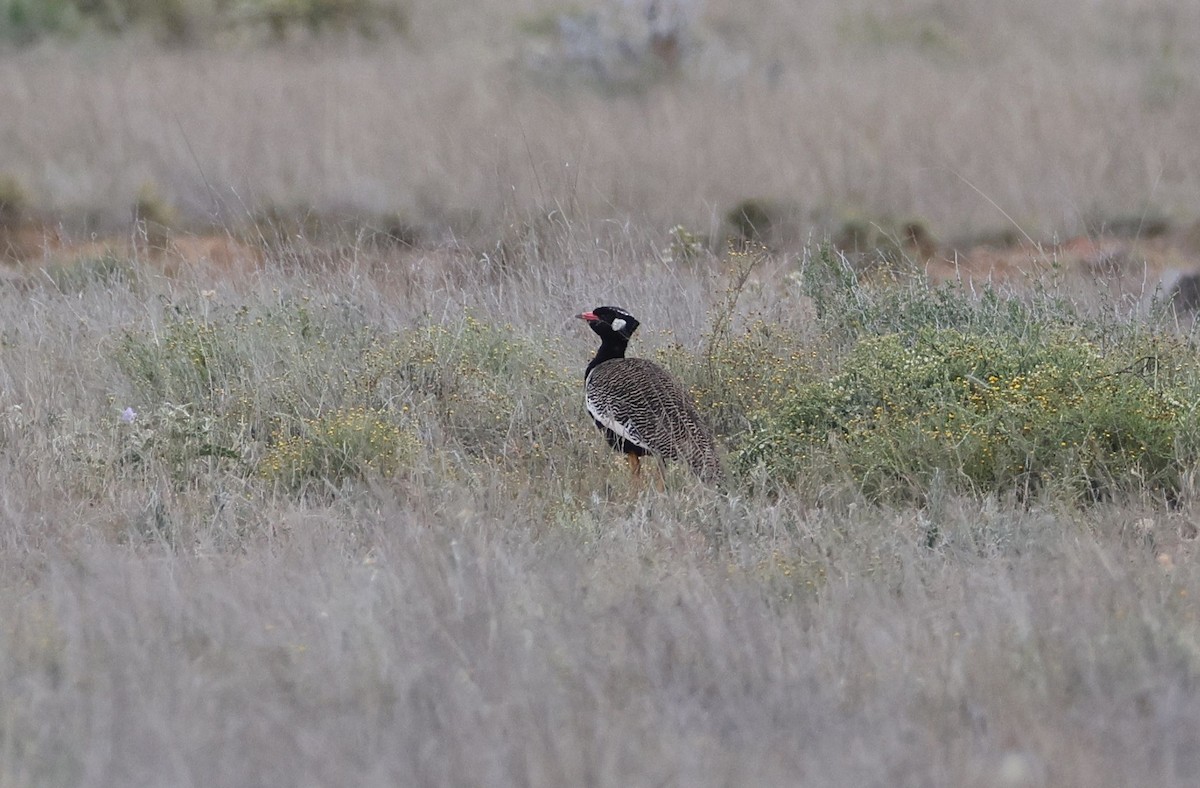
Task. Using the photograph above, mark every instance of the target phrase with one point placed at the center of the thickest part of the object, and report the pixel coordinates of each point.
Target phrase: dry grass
(509, 614)
(507, 618)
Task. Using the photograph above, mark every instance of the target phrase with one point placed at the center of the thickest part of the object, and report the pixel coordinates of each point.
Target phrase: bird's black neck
(612, 346)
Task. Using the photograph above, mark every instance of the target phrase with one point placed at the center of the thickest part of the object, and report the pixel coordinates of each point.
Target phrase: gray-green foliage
(106, 270)
(927, 385)
(25, 21)
(300, 392)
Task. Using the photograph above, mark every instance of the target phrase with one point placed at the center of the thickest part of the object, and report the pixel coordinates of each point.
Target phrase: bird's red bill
(588, 316)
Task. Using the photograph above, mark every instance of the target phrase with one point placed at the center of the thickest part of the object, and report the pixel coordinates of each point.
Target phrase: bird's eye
(618, 324)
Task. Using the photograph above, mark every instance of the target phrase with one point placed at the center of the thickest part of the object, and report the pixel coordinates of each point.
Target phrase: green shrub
(189, 360)
(884, 243)
(290, 231)
(24, 21)
(13, 201)
(107, 270)
(368, 17)
(752, 220)
(990, 414)
(176, 440)
(923, 30)
(344, 444)
(248, 372)
(847, 308)
(184, 21)
(311, 392)
(899, 387)
(743, 375)
(488, 388)
(154, 215)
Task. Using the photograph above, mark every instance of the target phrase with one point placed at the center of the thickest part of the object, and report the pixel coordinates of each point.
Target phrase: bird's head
(610, 321)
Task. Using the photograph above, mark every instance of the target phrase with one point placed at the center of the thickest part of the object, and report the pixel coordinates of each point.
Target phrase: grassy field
(1059, 115)
(320, 505)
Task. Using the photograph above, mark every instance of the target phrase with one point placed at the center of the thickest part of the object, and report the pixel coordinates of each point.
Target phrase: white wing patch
(624, 431)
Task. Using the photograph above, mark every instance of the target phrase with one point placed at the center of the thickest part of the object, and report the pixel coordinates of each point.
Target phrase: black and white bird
(639, 406)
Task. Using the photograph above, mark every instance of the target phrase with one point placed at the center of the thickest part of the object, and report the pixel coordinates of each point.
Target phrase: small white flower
(128, 415)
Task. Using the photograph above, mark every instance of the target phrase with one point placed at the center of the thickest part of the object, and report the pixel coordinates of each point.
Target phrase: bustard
(639, 406)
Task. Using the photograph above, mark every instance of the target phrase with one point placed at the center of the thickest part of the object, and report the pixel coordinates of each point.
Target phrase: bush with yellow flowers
(486, 388)
(304, 390)
(898, 387)
(991, 413)
(342, 445)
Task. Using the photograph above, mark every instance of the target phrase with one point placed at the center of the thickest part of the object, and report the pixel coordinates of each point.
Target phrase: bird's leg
(635, 467)
(660, 479)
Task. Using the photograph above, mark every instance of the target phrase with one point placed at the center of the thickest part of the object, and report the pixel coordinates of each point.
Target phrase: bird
(640, 407)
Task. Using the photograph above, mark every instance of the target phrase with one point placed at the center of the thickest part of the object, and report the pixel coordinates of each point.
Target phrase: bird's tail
(705, 463)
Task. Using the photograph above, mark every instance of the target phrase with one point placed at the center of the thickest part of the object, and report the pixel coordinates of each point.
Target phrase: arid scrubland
(1060, 115)
(296, 482)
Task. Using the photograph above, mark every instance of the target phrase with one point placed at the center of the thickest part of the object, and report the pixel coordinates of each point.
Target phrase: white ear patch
(618, 324)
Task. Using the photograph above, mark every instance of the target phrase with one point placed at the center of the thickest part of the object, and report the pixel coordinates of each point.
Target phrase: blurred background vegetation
(872, 123)
(195, 21)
